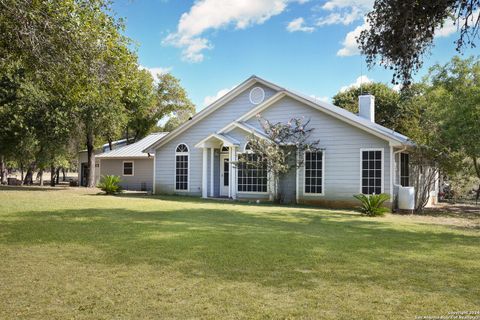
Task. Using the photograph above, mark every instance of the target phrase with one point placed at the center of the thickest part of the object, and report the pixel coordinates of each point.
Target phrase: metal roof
(134, 150)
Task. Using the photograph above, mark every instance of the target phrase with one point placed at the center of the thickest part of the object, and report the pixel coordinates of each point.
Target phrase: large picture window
(404, 170)
(181, 167)
(252, 173)
(313, 177)
(372, 171)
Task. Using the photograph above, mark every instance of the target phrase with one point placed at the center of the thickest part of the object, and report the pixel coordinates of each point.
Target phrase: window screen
(128, 168)
(313, 179)
(181, 167)
(251, 177)
(404, 170)
(372, 172)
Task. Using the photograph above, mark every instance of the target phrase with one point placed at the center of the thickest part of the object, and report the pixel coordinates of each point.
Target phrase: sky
(305, 45)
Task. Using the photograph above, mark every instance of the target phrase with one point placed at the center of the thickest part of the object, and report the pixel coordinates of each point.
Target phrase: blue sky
(213, 45)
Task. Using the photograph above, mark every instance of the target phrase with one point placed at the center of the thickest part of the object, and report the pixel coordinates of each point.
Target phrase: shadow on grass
(244, 202)
(285, 249)
(33, 188)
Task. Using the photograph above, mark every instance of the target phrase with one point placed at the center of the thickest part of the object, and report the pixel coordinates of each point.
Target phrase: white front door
(224, 175)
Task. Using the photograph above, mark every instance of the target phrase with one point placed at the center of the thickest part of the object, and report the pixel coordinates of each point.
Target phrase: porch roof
(216, 140)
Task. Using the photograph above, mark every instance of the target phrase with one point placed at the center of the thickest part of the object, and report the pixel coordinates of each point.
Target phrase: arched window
(224, 149)
(252, 172)
(181, 167)
(181, 148)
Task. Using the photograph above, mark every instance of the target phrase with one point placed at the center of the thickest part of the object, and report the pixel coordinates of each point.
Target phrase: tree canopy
(400, 32)
(391, 109)
(69, 77)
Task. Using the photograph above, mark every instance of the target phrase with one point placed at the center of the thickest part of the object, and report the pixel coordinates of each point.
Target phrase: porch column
(212, 166)
(204, 173)
(230, 152)
(233, 173)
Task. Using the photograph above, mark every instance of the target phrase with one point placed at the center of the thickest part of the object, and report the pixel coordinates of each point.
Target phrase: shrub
(110, 184)
(372, 205)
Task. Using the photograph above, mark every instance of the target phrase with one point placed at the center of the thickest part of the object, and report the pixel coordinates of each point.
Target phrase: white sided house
(357, 155)
(131, 164)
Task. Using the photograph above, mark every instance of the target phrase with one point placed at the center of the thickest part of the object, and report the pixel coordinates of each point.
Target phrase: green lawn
(74, 254)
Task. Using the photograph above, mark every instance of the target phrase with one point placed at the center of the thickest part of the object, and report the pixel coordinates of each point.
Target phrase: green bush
(372, 205)
(110, 184)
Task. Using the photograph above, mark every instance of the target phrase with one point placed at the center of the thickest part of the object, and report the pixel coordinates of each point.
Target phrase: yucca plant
(110, 184)
(372, 205)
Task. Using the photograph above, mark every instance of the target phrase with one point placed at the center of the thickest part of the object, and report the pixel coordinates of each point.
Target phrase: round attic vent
(257, 95)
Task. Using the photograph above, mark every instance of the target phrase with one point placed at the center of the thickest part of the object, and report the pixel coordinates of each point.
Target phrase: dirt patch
(463, 216)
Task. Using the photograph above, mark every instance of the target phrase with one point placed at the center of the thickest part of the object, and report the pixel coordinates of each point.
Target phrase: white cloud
(210, 99)
(358, 82)
(157, 71)
(207, 15)
(345, 18)
(321, 98)
(341, 4)
(350, 44)
(397, 87)
(299, 25)
(343, 12)
(450, 27)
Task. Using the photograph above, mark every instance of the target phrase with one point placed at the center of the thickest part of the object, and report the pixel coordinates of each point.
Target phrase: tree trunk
(40, 177)
(91, 160)
(57, 176)
(29, 176)
(3, 170)
(64, 177)
(110, 144)
(21, 172)
(476, 165)
(52, 176)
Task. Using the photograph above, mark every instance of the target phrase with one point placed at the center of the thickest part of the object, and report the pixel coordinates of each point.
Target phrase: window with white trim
(372, 171)
(128, 168)
(313, 177)
(181, 167)
(404, 169)
(252, 172)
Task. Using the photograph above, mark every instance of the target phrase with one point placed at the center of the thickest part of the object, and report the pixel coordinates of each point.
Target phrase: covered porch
(219, 173)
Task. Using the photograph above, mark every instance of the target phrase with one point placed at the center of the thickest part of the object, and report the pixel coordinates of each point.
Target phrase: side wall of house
(341, 143)
(165, 155)
(142, 173)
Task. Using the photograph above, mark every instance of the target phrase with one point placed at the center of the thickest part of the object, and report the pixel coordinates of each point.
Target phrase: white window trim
(175, 166)
(323, 175)
(133, 168)
(236, 178)
(382, 181)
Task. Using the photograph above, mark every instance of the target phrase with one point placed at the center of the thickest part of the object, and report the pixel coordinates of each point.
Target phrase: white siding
(342, 143)
(165, 155)
(142, 169)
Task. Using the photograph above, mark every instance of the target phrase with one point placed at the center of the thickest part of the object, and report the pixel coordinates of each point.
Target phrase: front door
(224, 175)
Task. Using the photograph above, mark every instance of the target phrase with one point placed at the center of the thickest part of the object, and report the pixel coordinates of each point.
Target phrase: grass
(74, 254)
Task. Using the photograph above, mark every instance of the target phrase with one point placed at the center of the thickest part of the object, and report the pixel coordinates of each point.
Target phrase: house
(357, 155)
(83, 161)
(131, 164)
